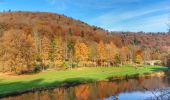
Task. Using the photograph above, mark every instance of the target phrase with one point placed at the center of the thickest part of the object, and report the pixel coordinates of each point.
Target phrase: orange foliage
(81, 51)
(101, 51)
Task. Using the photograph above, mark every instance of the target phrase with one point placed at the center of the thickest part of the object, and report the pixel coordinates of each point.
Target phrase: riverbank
(10, 85)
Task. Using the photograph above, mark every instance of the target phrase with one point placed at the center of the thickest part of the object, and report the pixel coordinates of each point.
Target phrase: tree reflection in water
(104, 90)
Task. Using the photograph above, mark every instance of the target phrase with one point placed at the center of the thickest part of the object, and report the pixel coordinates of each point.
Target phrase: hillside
(54, 37)
(51, 24)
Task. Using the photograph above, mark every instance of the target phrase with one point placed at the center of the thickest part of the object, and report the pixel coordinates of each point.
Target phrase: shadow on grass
(160, 69)
(17, 88)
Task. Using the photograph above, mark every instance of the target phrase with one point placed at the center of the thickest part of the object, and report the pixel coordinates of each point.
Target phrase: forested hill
(40, 36)
(51, 24)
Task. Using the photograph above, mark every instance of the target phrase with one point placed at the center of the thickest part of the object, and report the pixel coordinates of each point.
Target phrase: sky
(112, 15)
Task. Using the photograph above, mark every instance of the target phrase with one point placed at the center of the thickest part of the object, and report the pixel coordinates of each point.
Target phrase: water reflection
(131, 89)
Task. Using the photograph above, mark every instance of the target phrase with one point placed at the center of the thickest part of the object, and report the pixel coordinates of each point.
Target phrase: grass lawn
(11, 84)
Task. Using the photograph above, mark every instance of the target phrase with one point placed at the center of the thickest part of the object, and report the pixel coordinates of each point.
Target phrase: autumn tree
(111, 51)
(81, 52)
(146, 54)
(101, 52)
(124, 51)
(69, 53)
(18, 51)
(92, 53)
(28, 50)
(138, 57)
(59, 51)
(156, 55)
(166, 60)
(38, 46)
(45, 48)
(131, 54)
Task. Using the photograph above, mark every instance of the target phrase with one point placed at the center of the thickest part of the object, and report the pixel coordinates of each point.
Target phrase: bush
(37, 68)
(66, 65)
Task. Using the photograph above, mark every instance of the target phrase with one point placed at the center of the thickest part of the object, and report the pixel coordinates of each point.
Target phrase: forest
(36, 41)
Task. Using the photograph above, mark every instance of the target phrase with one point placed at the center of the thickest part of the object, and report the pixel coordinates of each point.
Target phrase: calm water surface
(130, 89)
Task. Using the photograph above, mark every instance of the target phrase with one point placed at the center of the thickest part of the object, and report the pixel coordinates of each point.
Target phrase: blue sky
(113, 15)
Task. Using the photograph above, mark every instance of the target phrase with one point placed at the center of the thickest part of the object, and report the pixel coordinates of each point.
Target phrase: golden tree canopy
(101, 51)
(81, 51)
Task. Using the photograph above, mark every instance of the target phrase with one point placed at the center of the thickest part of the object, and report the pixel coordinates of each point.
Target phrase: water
(156, 88)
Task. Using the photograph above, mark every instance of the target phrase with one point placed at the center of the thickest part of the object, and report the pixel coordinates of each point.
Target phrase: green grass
(59, 78)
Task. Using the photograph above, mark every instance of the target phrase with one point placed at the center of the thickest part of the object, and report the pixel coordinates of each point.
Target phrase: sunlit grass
(10, 84)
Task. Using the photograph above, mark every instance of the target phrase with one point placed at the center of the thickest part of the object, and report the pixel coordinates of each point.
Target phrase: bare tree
(159, 94)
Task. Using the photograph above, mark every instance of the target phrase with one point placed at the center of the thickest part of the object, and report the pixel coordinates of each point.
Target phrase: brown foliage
(17, 50)
(27, 37)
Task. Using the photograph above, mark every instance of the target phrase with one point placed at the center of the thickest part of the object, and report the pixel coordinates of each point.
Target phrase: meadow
(51, 78)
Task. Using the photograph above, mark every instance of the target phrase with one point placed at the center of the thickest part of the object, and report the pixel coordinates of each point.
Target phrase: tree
(28, 50)
(146, 54)
(81, 52)
(111, 51)
(38, 47)
(138, 57)
(69, 50)
(101, 52)
(59, 56)
(92, 51)
(92, 54)
(156, 56)
(166, 60)
(68, 53)
(18, 51)
(124, 51)
(45, 43)
(131, 54)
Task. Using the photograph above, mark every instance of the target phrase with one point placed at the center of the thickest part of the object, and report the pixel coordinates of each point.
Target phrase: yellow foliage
(45, 48)
(81, 51)
(101, 51)
(111, 50)
(138, 59)
(59, 52)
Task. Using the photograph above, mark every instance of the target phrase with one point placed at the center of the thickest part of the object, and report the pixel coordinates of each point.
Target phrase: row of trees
(30, 39)
(16, 51)
(20, 52)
